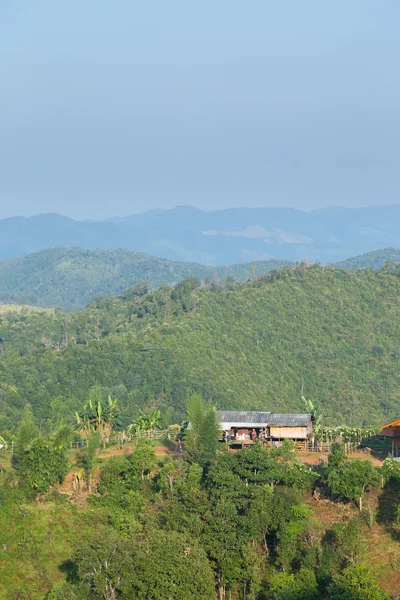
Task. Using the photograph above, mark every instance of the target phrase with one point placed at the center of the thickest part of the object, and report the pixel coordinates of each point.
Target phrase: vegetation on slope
(329, 334)
(252, 525)
(371, 260)
(70, 277)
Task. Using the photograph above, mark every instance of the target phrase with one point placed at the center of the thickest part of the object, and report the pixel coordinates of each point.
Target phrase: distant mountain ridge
(70, 277)
(218, 237)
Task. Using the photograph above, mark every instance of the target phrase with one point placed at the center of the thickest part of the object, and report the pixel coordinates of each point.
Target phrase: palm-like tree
(97, 417)
(313, 409)
(146, 422)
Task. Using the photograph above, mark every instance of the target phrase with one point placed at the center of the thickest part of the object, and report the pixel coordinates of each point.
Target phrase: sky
(116, 107)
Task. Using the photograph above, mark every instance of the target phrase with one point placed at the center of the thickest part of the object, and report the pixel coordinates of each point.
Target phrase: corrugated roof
(286, 420)
(251, 417)
(248, 417)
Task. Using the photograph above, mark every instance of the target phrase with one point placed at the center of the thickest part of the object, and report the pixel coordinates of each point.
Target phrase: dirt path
(128, 449)
(314, 458)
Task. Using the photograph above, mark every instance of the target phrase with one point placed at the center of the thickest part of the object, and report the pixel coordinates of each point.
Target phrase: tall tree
(27, 433)
(201, 436)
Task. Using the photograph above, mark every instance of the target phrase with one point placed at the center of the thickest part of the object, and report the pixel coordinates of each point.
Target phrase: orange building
(393, 430)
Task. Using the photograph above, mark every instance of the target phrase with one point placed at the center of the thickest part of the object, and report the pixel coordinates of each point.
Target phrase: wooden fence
(309, 446)
(165, 434)
(156, 434)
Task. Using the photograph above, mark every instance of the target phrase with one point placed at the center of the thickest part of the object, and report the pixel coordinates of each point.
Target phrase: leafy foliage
(201, 437)
(97, 417)
(329, 333)
(350, 479)
(70, 277)
(146, 421)
(356, 583)
(371, 260)
(242, 525)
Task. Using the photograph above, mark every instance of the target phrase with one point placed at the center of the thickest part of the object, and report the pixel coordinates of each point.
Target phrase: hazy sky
(114, 107)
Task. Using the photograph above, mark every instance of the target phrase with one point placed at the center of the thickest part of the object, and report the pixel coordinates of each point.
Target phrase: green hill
(330, 334)
(70, 277)
(372, 260)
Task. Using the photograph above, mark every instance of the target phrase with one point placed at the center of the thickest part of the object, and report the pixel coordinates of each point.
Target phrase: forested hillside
(70, 277)
(329, 334)
(371, 260)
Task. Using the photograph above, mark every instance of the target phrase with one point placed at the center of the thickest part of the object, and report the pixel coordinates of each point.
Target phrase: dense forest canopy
(70, 277)
(329, 334)
(371, 260)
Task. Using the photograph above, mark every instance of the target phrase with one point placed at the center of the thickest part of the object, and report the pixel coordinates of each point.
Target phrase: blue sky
(110, 108)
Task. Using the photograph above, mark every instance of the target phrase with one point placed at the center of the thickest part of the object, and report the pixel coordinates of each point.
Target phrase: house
(294, 427)
(393, 430)
(238, 425)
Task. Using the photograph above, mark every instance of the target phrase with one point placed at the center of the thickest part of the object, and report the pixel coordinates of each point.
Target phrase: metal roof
(245, 417)
(286, 420)
(250, 417)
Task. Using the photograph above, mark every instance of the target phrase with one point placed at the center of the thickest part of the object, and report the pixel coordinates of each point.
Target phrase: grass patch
(23, 309)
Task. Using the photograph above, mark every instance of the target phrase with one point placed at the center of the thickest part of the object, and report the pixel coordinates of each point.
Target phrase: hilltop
(371, 260)
(329, 334)
(70, 277)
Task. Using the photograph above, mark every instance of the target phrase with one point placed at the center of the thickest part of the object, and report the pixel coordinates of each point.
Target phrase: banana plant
(146, 422)
(97, 417)
(313, 409)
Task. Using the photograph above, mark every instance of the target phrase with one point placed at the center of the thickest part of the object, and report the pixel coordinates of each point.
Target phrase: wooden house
(293, 427)
(393, 430)
(239, 425)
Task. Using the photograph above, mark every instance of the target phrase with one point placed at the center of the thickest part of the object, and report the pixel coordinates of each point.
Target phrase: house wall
(293, 433)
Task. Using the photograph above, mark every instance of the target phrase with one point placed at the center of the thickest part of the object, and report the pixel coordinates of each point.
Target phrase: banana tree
(146, 422)
(313, 409)
(97, 417)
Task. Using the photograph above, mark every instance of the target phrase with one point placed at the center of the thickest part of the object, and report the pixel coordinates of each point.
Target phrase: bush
(42, 465)
(391, 469)
(356, 583)
(349, 480)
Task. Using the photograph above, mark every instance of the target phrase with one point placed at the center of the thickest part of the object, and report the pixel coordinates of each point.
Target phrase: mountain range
(217, 237)
(70, 277)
